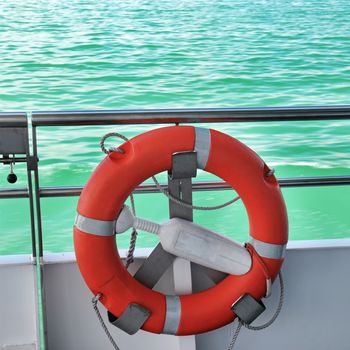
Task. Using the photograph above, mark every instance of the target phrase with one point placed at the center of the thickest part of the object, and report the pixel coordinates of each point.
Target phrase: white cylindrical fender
(192, 242)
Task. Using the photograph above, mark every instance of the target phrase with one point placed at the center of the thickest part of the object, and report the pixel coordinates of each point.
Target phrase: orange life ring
(150, 153)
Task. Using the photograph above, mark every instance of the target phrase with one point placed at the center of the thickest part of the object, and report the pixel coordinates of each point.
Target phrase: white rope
(133, 238)
(94, 302)
(191, 206)
(265, 325)
(277, 312)
(159, 187)
(113, 149)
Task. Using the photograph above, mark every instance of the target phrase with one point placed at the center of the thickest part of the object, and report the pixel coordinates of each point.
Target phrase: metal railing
(166, 116)
(198, 115)
(73, 191)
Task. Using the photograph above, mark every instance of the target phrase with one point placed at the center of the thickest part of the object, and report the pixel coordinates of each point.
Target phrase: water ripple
(84, 54)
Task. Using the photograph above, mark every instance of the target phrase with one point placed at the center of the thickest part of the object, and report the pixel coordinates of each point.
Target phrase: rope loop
(112, 149)
(270, 172)
(130, 255)
(94, 302)
(96, 298)
(191, 206)
(266, 324)
(159, 187)
(277, 312)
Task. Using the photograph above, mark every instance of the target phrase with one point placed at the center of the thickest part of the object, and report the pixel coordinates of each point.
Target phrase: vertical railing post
(37, 192)
(34, 166)
(184, 167)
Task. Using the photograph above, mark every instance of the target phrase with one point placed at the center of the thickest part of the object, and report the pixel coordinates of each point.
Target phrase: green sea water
(83, 54)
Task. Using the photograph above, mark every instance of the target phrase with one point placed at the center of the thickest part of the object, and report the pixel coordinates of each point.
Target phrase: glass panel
(314, 213)
(15, 236)
(68, 155)
(58, 216)
(318, 212)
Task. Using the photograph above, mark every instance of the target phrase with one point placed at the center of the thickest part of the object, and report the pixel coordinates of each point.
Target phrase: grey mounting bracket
(131, 320)
(14, 141)
(184, 166)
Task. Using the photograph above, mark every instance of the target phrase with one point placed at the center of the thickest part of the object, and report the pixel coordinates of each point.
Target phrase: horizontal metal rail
(8, 160)
(201, 115)
(14, 193)
(13, 120)
(71, 191)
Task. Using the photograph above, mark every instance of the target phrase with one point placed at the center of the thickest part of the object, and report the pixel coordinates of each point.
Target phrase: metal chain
(94, 302)
(265, 325)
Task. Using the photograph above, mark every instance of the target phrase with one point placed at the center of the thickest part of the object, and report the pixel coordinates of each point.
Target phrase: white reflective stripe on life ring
(268, 250)
(173, 314)
(93, 226)
(202, 146)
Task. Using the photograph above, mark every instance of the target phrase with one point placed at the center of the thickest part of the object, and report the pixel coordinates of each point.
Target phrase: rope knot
(96, 298)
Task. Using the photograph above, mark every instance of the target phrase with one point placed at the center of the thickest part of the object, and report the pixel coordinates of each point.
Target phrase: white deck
(315, 314)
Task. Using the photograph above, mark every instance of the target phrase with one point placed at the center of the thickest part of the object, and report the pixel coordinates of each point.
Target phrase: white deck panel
(72, 323)
(314, 316)
(18, 306)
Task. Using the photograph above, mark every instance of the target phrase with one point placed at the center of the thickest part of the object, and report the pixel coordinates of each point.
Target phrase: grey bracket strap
(180, 189)
(184, 165)
(180, 186)
(154, 267)
(131, 320)
(247, 308)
